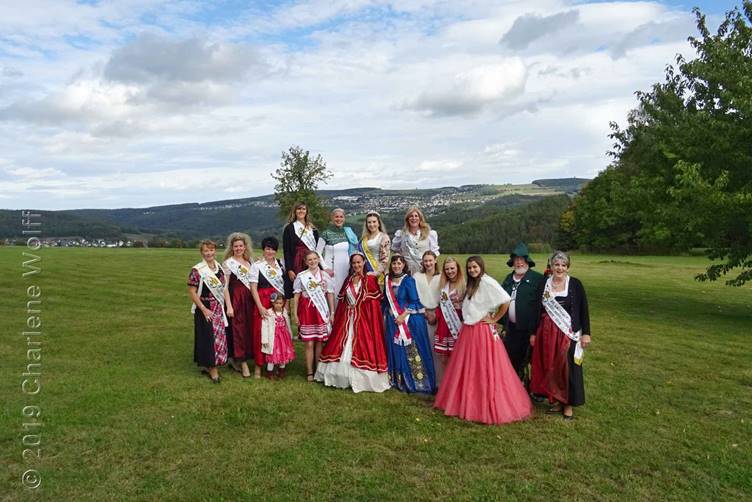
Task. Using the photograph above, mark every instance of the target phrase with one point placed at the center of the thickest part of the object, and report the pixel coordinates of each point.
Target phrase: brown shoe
(281, 373)
(270, 374)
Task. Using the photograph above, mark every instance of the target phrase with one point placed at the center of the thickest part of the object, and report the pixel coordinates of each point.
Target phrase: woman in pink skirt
(480, 384)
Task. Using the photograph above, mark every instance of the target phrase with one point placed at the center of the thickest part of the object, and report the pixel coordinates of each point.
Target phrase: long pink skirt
(480, 384)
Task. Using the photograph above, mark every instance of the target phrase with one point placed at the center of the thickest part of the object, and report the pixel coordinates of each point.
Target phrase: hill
(259, 215)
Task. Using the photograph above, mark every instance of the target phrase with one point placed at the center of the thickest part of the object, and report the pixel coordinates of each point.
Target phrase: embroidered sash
(402, 336)
(562, 319)
(216, 287)
(305, 234)
(412, 246)
(315, 292)
(450, 314)
(242, 272)
(273, 274)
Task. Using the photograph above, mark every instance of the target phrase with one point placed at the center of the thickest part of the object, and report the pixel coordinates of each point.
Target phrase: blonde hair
(459, 281)
(425, 228)
(297, 206)
(239, 236)
(206, 243)
(382, 227)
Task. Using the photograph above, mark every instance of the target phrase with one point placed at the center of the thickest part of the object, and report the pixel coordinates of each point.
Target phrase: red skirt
(480, 384)
(312, 326)
(550, 371)
(298, 262)
(445, 342)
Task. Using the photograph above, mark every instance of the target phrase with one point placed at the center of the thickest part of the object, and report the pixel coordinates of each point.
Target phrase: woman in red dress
(563, 333)
(480, 384)
(355, 355)
(298, 237)
(267, 277)
(237, 265)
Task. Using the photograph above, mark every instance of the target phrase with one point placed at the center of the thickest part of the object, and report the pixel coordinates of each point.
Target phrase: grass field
(126, 415)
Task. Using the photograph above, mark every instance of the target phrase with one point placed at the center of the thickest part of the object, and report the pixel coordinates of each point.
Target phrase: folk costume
(313, 309)
(376, 251)
(557, 355)
(355, 355)
(480, 384)
(335, 245)
(269, 279)
(408, 347)
(209, 337)
(276, 340)
(412, 247)
(448, 320)
(240, 330)
(521, 320)
(297, 239)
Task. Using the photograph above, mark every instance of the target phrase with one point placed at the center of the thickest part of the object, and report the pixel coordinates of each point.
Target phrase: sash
(411, 244)
(217, 289)
(352, 240)
(305, 234)
(563, 320)
(351, 293)
(450, 315)
(315, 293)
(371, 262)
(242, 272)
(402, 336)
(273, 275)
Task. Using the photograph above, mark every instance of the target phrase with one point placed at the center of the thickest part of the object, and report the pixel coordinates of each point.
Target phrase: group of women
(376, 313)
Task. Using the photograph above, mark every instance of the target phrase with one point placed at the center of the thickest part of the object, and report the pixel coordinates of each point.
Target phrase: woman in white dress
(336, 243)
(414, 239)
(427, 282)
(374, 244)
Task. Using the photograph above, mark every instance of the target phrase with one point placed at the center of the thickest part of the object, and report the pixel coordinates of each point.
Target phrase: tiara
(373, 212)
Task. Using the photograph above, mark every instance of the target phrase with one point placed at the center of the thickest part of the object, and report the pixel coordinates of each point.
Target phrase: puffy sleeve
(413, 300)
(254, 273)
(384, 251)
(194, 279)
(297, 285)
(397, 241)
(433, 242)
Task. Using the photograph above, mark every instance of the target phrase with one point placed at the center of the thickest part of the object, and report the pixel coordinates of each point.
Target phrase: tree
(297, 179)
(682, 170)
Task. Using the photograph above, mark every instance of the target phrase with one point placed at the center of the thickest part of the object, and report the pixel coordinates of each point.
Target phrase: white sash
(450, 314)
(562, 319)
(402, 336)
(272, 274)
(216, 287)
(305, 234)
(315, 293)
(242, 272)
(411, 244)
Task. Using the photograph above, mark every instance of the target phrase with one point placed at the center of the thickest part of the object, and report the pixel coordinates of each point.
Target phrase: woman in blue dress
(408, 348)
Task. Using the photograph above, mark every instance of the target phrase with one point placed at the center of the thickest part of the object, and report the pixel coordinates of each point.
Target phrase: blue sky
(146, 102)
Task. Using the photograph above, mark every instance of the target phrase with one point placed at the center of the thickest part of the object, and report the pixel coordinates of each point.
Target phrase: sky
(145, 102)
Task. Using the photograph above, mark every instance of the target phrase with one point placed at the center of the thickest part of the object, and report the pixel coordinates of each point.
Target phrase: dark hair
(270, 242)
(362, 256)
(401, 258)
(474, 282)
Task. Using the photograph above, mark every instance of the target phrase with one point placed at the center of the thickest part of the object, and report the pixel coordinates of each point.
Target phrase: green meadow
(126, 415)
